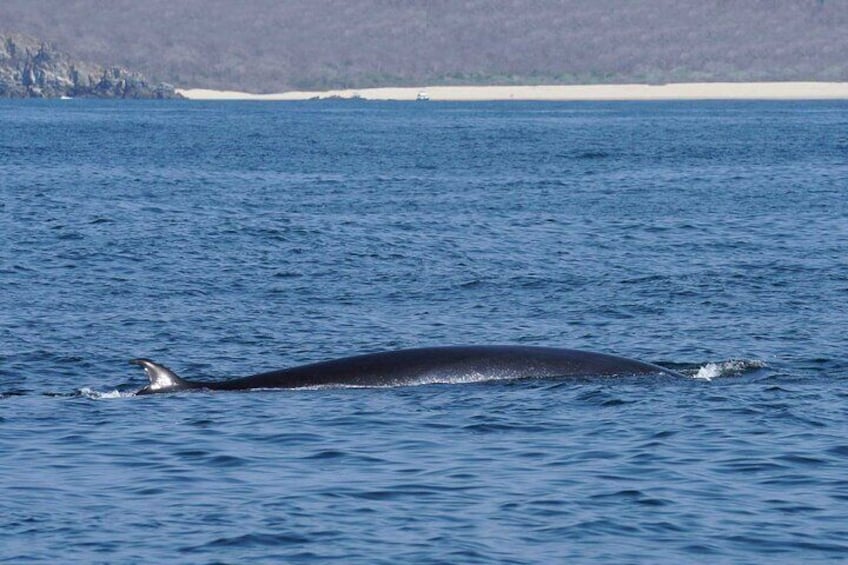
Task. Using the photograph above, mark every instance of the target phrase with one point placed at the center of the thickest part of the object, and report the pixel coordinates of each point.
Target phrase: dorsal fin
(162, 379)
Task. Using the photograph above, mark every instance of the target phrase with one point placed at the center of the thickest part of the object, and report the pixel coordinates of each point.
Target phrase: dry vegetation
(272, 45)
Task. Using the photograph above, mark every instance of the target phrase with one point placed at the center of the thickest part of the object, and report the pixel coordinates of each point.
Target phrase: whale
(405, 367)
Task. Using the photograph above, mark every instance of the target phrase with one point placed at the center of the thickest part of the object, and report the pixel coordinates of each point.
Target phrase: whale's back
(447, 364)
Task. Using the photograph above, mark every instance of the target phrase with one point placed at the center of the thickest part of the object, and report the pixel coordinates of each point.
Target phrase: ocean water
(225, 239)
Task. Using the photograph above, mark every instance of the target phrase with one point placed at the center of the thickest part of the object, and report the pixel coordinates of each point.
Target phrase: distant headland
(30, 68)
(325, 45)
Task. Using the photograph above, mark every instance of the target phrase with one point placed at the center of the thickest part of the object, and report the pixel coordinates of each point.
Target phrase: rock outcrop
(33, 69)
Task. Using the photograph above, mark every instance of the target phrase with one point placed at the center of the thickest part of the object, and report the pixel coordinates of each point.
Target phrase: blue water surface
(226, 238)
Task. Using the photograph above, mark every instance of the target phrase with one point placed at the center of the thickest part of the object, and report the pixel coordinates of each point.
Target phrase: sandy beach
(678, 91)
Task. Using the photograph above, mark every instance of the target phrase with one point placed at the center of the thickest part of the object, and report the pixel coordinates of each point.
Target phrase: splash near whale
(418, 366)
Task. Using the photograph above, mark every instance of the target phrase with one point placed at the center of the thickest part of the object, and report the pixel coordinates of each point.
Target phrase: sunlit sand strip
(680, 91)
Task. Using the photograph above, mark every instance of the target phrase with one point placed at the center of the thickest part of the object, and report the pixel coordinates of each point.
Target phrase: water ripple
(229, 239)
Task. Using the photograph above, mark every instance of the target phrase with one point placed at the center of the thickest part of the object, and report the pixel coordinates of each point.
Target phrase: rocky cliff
(33, 69)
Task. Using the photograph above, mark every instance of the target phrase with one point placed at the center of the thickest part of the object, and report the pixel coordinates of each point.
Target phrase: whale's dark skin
(418, 366)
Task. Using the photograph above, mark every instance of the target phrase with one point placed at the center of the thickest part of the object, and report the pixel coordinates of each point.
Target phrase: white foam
(731, 367)
(474, 377)
(97, 395)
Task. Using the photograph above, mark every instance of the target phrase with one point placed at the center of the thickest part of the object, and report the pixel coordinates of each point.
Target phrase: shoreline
(561, 93)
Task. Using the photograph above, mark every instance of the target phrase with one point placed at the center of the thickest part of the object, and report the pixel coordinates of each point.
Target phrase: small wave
(92, 394)
(728, 368)
(469, 378)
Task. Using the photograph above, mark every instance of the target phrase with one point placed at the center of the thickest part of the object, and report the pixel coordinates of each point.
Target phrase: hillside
(266, 45)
